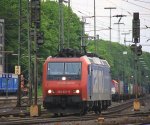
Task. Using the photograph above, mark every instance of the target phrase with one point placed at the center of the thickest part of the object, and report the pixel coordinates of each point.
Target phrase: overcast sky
(84, 8)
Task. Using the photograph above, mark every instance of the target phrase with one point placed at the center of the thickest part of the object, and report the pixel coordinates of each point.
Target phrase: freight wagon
(122, 91)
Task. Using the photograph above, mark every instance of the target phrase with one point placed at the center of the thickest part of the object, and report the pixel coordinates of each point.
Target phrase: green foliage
(39, 90)
(122, 65)
(9, 12)
(50, 26)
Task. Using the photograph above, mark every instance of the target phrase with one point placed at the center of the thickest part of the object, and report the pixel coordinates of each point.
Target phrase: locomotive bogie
(62, 103)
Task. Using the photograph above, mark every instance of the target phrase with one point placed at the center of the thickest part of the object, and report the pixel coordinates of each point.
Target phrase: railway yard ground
(120, 113)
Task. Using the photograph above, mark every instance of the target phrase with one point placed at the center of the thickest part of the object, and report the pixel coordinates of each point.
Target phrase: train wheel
(55, 115)
(109, 103)
(96, 111)
(99, 107)
(83, 112)
(104, 105)
(83, 109)
(61, 114)
(96, 108)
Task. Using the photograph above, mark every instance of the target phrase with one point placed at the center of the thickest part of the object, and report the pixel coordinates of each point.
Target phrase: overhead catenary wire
(142, 1)
(130, 13)
(136, 4)
(102, 21)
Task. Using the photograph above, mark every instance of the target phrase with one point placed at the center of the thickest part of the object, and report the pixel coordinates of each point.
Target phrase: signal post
(137, 50)
(37, 37)
(18, 72)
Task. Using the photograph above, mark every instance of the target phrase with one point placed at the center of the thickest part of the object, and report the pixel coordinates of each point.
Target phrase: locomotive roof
(90, 60)
(97, 60)
(88, 56)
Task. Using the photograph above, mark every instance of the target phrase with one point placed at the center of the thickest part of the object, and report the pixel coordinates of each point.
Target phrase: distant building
(2, 54)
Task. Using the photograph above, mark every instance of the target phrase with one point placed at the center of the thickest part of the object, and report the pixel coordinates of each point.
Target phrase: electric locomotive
(76, 84)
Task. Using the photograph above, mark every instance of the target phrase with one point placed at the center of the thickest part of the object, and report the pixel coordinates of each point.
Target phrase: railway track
(12, 101)
(41, 120)
(46, 117)
(38, 120)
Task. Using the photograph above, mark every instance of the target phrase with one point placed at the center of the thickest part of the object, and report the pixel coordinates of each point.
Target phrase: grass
(39, 90)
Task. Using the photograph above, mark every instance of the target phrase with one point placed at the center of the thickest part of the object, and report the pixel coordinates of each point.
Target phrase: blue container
(0, 85)
(8, 83)
(126, 90)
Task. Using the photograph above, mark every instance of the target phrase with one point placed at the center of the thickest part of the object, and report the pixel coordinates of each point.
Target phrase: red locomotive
(76, 84)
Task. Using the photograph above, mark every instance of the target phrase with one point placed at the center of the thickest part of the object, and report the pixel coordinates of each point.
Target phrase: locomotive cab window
(55, 68)
(72, 70)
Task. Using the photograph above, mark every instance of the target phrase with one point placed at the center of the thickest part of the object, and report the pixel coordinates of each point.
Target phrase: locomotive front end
(62, 85)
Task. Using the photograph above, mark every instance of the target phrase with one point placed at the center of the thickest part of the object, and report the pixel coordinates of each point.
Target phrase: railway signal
(136, 49)
(133, 47)
(139, 50)
(35, 13)
(136, 28)
(38, 40)
(39, 35)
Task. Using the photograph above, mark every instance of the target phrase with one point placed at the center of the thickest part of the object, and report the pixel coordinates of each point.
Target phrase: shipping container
(114, 87)
(130, 89)
(135, 89)
(8, 83)
(121, 88)
(126, 90)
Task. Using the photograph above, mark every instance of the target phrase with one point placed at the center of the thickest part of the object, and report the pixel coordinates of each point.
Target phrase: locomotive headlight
(50, 91)
(63, 78)
(76, 91)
